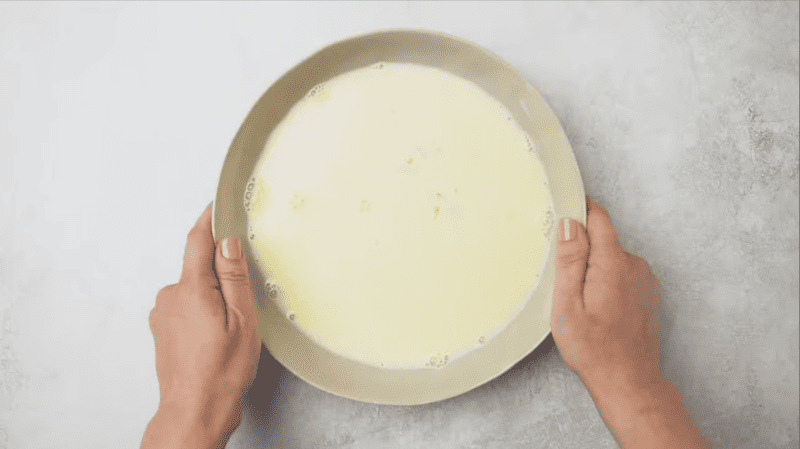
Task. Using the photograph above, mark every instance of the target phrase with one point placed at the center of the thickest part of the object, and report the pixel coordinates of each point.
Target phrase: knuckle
(194, 233)
(152, 319)
(165, 291)
(632, 259)
(572, 255)
(165, 295)
(233, 277)
(568, 259)
(641, 264)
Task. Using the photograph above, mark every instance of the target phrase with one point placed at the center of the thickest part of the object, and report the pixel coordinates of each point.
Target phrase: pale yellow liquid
(402, 214)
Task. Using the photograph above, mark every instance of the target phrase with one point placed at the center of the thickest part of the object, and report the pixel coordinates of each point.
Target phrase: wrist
(196, 425)
(644, 410)
(624, 381)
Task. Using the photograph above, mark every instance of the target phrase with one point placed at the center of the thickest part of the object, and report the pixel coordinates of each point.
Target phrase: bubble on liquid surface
(481, 340)
(291, 316)
(529, 144)
(547, 224)
(315, 90)
(438, 361)
(248, 194)
(271, 290)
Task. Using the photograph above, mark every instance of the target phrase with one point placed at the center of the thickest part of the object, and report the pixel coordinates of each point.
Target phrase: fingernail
(231, 248)
(566, 230)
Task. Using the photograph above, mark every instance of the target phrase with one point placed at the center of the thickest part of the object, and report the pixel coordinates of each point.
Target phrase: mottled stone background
(115, 119)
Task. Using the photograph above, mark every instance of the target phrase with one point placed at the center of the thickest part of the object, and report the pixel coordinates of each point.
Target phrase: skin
(207, 346)
(604, 323)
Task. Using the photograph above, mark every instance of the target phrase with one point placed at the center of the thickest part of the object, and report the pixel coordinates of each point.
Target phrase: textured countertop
(116, 118)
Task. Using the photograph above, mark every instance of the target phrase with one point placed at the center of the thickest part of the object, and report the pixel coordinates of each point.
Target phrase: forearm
(172, 427)
(649, 416)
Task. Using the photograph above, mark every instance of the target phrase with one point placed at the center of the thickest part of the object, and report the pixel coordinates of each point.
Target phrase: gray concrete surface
(116, 119)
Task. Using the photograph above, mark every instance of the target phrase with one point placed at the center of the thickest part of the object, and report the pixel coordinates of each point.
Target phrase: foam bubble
(438, 361)
(317, 93)
(547, 223)
(271, 290)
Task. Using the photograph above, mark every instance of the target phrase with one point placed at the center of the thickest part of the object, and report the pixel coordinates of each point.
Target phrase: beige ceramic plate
(345, 377)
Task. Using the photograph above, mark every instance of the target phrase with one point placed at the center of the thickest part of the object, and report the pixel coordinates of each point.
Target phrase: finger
(152, 320)
(199, 257)
(233, 275)
(572, 251)
(603, 238)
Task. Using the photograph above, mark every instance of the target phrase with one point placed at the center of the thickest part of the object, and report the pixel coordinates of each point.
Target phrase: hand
(606, 327)
(206, 334)
(605, 324)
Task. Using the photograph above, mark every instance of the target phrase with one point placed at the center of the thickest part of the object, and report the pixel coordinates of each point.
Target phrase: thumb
(572, 253)
(233, 275)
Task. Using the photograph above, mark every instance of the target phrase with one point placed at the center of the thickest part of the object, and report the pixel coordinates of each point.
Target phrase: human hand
(606, 327)
(605, 324)
(206, 334)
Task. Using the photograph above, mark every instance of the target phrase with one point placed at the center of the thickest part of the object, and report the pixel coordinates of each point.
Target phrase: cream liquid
(402, 214)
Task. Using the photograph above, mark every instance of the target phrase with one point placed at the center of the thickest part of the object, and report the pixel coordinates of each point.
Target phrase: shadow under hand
(547, 346)
(264, 403)
(265, 385)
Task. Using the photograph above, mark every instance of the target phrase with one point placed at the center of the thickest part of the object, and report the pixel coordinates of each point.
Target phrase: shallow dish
(329, 371)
